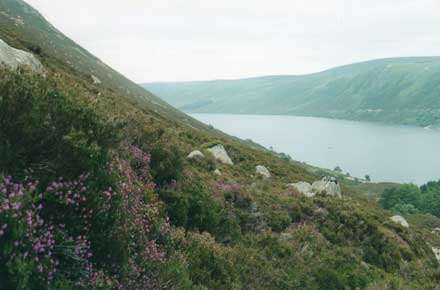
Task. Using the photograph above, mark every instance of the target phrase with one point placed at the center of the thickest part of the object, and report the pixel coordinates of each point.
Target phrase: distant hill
(396, 90)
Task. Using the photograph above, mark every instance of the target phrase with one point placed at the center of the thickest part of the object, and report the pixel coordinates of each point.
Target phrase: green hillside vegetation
(96, 192)
(396, 90)
(410, 199)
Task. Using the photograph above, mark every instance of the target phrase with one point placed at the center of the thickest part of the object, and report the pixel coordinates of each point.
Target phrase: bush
(43, 128)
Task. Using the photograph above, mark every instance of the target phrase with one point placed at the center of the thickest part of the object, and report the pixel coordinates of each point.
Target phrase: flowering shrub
(34, 248)
(99, 230)
(45, 235)
(139, 223)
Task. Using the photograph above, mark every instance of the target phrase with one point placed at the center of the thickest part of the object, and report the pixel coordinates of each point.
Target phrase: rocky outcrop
(219, 153)
(14, 58)
(303, 188)
(328, 186)
(263, 171)
(195, 154)
(436, 253)
(400, 220)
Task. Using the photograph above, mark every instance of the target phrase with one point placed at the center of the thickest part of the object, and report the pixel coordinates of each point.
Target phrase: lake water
(385, 152)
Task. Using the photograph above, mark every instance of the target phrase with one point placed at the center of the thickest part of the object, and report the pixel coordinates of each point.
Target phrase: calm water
(385, 152)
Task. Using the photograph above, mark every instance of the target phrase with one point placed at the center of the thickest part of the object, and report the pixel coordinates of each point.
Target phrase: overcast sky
(167, 40)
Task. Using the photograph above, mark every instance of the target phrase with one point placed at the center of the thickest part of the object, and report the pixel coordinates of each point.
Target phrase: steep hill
(398, 90)
(97, 192)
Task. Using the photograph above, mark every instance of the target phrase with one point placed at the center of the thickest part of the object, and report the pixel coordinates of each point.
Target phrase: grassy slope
(295, 241)
(405, 90)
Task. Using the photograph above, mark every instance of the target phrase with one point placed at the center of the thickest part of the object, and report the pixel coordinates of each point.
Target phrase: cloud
(150, 40)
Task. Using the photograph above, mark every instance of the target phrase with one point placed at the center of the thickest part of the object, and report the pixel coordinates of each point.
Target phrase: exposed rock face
(436, 253)
(263, 171)
(219, 153)
(303, 187)
(195, 154)
(14, 58)
(327, 185)
(400, 220)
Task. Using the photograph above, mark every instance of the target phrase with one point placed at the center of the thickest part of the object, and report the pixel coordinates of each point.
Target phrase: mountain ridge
(395, 90)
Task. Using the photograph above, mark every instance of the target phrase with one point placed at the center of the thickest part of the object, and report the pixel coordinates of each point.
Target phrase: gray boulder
(217, 172)
(303, 187)
(195, 154)
(96, 80)
(400, 220)
(263, 171)
(14, 58)
(219, 153)
(327, 185)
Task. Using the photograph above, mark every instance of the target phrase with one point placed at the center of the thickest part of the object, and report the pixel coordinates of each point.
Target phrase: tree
(406, 194)
(367, 178)
(338, 169)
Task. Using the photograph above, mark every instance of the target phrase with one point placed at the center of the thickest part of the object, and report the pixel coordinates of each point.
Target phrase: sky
(182, 40)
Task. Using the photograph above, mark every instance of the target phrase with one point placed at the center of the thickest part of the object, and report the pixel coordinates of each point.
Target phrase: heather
(55, 231)
(86, 204)
(97, 192)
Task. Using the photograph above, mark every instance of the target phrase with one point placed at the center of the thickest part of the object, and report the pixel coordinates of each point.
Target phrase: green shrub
(43, 128)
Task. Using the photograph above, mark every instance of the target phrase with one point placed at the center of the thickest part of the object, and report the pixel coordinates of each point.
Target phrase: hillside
(102, 187)
(396, 90)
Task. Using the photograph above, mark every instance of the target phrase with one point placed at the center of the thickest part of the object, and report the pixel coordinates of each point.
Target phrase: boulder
(327, 185)
(436, 253)
(303, 188)
(217, 172)
(96, 80)
(400, 220)
(219, 153)
(195, 154)
(263, 171)
(14, 58)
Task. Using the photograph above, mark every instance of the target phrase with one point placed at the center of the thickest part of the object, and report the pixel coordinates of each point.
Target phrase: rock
(286, 236)
(327, 185)
(195, 154)
(436, 231)
(400, 220)
(14, 58)
(217, 172)
(219, 153)
(303, 187)
(436, 253)
(96, 80)
(263, 171)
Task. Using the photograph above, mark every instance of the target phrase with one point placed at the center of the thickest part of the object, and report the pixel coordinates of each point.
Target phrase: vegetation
(399, 90)
(96, 193)
(410, 199)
